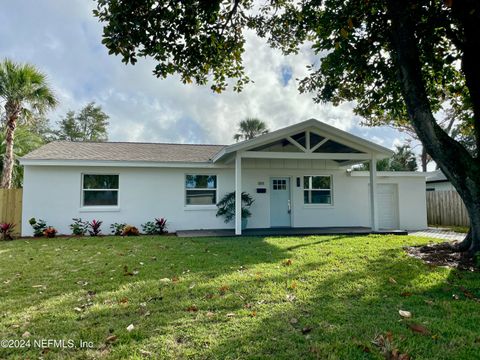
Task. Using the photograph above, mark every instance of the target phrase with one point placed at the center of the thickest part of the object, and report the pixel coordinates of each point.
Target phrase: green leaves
(181, 36)
(26, 86)
(204, 42)
(89, 124)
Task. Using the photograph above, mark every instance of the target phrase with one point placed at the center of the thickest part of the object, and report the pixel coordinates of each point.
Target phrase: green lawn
(234, 298)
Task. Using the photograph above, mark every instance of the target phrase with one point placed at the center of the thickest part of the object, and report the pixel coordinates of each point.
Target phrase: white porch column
(373, 193)
(238, 194)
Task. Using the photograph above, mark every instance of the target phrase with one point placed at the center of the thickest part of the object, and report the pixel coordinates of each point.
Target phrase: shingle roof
(436, 176)
(124, 151)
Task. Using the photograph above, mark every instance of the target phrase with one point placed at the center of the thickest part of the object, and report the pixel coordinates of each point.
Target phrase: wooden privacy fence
(11, 207)
(446, 208)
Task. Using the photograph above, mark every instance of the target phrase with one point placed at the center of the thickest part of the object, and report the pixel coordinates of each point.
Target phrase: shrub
(50, 232)
(130, 230)
(94, 227)
(149, 228)
(226, 206)
(79, 227)
(6, 230)
(38, 227)
(157, 227)
(117, 228)
(161, 225)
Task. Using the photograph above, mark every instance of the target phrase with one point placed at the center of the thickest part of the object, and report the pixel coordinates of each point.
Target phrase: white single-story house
(298, 176)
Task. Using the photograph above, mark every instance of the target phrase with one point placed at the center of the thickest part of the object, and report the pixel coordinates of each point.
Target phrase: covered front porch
(346, 230)
(311, 142)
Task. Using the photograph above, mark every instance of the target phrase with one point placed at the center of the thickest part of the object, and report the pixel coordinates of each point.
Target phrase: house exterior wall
(53, 193)
(440, 186)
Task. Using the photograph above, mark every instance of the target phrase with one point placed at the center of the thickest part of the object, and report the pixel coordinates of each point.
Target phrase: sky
(63, 39)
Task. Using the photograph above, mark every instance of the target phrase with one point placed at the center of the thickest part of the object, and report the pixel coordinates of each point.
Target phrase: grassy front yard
(278, 298)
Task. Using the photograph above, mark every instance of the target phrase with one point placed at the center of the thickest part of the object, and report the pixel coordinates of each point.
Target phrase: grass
(234, 298)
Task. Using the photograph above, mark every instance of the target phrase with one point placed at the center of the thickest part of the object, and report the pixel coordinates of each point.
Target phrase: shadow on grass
(328, 239)
(87, 288)
(348, 308)
(238, 298)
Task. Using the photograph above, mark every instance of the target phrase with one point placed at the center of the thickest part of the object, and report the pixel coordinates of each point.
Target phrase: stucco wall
(54, 194)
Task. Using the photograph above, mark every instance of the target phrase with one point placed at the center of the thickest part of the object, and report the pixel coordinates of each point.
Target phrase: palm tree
(25, 92)
(404, 159)
(250, 128)
(26, 140)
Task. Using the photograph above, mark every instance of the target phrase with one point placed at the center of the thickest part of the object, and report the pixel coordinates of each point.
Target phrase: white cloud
(64, 39)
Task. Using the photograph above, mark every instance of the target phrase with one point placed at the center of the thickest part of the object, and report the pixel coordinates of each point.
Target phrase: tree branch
(467, 12)
(451, 156)
(231, 13)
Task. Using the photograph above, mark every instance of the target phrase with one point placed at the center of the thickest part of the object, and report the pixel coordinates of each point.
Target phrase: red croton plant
(6, 230)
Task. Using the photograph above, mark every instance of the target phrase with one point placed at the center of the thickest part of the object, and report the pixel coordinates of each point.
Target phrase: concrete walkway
(439, 233)
(348, 230)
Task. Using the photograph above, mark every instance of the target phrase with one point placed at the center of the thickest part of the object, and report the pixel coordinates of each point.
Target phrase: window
(100, 190)
(201, 189)
(279, 184)
(317, 189)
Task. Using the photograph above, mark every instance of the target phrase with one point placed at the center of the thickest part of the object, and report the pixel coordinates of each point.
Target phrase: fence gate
(11, 207)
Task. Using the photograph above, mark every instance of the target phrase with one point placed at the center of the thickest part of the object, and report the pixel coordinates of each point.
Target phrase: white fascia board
(105, 163)
(305, 156)
(389, 174)
(259, 140)
(325, 129)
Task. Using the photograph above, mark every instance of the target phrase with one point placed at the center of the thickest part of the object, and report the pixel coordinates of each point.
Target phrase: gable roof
(163, 153)
(323, 128)
(124, 151)
(436, 176)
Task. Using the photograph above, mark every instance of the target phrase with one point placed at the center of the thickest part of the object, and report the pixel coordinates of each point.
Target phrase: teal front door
(280, 204)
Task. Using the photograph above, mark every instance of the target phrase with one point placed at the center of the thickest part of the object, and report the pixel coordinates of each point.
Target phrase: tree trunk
(12, 113)
(453, 159)
(467, 12)
(424, 158)
(471, 243)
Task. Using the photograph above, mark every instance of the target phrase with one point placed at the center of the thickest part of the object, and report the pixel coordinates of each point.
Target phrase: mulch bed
(442, 255)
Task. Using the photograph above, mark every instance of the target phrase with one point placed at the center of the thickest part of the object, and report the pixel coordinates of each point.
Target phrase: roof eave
(117, 163)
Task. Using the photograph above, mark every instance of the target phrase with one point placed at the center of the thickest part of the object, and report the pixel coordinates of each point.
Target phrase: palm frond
(250, 128)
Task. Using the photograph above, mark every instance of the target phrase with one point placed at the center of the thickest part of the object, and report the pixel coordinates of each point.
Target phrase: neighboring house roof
(436, 176)
(124, 151)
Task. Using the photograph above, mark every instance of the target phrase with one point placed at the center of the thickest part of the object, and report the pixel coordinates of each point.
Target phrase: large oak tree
(399, 61)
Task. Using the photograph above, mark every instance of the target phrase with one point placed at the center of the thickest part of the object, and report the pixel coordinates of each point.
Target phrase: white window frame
(88, 208)
(310, 189)
(199, 206)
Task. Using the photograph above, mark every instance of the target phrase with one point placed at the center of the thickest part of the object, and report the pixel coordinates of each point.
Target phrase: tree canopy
(403, 159)
(89, 124)
(397, 61)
